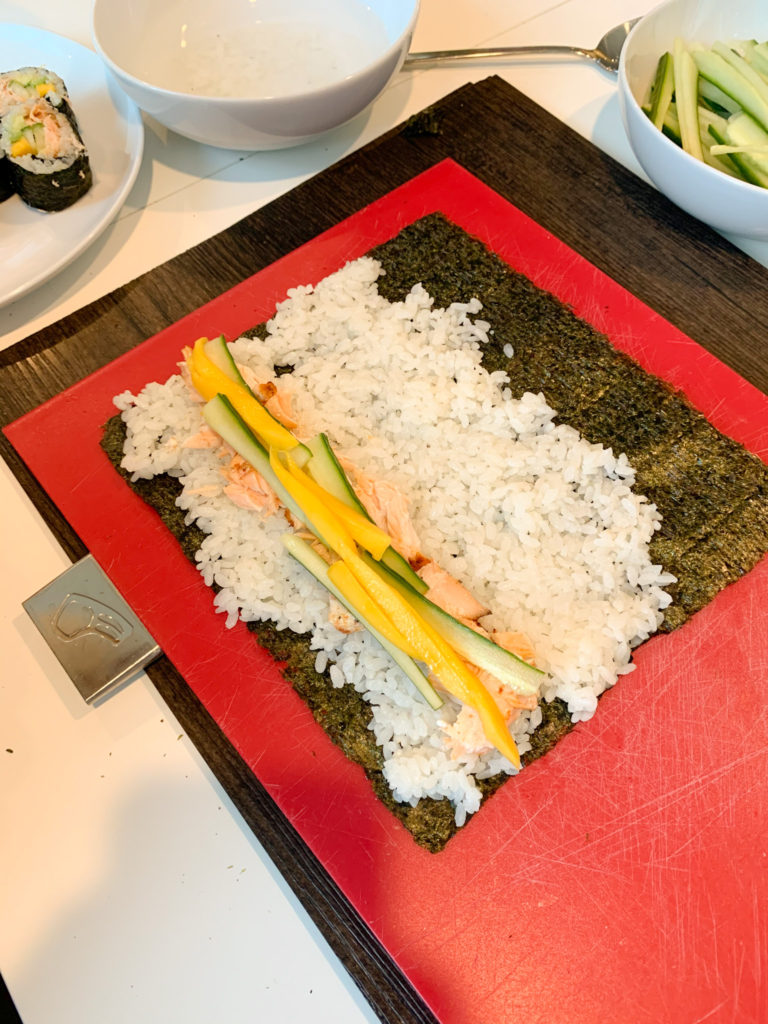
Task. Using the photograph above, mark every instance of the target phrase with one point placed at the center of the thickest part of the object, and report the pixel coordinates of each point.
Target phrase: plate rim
(126, 113)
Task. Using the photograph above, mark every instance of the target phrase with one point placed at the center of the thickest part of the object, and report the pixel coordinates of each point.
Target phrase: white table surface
(130, 887)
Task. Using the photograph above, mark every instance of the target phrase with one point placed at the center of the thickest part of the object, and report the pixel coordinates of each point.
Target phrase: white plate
(33, 245)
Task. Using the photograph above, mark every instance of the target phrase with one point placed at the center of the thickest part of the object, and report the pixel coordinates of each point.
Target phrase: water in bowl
(265, 56)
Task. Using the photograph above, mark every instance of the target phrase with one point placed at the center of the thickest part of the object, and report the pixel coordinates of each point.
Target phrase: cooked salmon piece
(275, 400)
(247, 488)
(388, 508)
(204, 438)
(450, 595)
(341, 619)
(516, 643)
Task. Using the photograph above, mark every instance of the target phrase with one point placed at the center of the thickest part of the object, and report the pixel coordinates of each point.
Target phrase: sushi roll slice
(24, 85)
(47, 159)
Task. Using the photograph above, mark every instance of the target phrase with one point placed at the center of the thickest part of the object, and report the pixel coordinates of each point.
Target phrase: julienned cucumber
(318, 567)
(471, 645)
(723, 81)
(741, 131)
(686, 100)
(221, 416)
(326, 470)
(732, 80)
(218, 352)
(662, 90)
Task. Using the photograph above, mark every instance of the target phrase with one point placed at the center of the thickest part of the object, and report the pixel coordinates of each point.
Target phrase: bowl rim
(382, 59)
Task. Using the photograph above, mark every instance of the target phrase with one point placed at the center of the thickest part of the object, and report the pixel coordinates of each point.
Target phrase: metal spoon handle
(435, 56)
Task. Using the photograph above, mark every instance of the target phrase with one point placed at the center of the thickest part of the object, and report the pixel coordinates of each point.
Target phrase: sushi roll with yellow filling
(25, 85)
(46, 157)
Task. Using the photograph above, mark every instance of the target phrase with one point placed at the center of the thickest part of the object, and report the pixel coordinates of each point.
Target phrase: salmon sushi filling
(519, 528)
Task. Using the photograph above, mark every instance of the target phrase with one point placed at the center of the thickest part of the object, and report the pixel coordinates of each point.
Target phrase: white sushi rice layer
(542, 526)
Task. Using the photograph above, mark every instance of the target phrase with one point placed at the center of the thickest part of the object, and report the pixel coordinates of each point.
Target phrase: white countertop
(130, 888)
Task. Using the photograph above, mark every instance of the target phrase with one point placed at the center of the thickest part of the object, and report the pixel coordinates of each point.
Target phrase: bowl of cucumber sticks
(693, 91)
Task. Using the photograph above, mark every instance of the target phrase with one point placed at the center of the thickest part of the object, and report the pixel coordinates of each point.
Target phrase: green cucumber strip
(662, 89)
(218, 352)
(716, 98)
(395, 561)
(740, 161)
(720, 162)
(671, 126)
(221, 416)
(318, 567)
(476, 648)
(35, 135)
(743, 131)
(686, 93)
(760, 53)
(755, 58)
(743, 68)
(326, 470)
(726, 77)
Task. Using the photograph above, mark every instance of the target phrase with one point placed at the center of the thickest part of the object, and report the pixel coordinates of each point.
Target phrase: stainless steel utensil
(606, 53)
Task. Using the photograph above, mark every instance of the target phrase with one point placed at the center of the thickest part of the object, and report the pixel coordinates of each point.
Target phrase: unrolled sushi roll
(46, 157)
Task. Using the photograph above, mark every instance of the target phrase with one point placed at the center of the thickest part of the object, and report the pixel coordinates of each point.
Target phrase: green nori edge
(711, 492)
(426, 122)
(160, 492)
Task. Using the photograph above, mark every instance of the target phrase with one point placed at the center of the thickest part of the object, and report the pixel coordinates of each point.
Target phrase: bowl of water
(253, 74)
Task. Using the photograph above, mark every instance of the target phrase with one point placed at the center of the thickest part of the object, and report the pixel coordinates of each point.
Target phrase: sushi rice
(542, 526)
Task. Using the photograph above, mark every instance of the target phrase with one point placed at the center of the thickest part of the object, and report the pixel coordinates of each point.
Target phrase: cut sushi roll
(47, 158)
(25, 85)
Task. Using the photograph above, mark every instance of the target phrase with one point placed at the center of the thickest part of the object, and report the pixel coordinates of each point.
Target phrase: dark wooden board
(689, 274)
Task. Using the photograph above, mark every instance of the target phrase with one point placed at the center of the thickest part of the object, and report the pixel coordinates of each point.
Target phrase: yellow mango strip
(452, 672)
(367, 534)
(210, 381)
(347, 584)
(329, 528)
(21, 147)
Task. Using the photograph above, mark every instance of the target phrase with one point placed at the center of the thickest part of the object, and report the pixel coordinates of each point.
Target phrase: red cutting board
(623, 877)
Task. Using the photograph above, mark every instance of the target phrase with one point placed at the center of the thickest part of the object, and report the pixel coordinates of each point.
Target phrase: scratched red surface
(622, 878)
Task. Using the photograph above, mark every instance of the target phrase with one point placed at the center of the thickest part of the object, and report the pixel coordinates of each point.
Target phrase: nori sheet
(51, 191)
(6, 185)
(712, 493)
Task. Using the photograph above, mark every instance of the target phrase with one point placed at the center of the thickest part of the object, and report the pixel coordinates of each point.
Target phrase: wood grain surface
(689, 274)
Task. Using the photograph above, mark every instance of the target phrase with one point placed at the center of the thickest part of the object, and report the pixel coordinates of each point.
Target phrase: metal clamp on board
(93, 632)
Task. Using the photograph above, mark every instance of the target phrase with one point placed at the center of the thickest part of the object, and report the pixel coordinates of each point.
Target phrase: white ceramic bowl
(718, 199)
(253, 74)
